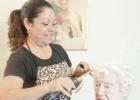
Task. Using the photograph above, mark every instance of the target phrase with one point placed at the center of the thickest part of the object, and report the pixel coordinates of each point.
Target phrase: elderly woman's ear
(81, 69)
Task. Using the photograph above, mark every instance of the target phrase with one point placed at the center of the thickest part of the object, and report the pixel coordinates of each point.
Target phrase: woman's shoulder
(20, 53)
(57, 48)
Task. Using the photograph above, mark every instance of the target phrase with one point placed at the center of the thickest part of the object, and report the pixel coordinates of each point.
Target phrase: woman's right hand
(63, 84)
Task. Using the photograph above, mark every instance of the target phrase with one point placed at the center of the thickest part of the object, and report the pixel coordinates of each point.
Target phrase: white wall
(113, 35)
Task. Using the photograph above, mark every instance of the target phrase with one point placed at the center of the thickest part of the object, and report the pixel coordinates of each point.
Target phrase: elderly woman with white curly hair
(113, 82)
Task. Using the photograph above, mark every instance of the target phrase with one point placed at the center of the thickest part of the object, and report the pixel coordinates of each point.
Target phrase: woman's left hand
(81, 69)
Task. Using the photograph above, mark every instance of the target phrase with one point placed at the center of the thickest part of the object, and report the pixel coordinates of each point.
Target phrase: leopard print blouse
(46, 74)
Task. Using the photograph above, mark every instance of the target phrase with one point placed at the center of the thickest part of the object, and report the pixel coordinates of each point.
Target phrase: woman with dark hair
(37, 68)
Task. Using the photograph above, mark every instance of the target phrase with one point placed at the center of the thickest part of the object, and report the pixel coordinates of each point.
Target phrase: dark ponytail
(17, 32)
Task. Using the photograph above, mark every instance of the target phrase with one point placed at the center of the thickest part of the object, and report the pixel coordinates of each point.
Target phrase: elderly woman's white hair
(123, 74)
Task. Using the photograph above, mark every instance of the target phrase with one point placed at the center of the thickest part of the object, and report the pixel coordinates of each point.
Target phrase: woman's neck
(37, 44)
(41, 51)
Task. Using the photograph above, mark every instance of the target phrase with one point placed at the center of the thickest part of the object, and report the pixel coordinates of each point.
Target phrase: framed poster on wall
(71, 28)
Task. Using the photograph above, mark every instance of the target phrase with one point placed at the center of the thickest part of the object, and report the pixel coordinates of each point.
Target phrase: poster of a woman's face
(71, 23)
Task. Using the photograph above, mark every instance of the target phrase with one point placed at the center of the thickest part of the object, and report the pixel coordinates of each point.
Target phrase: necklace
(34, 68)
(31, 54)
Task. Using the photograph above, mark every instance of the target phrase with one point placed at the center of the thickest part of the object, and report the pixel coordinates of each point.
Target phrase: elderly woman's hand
(81, 69)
